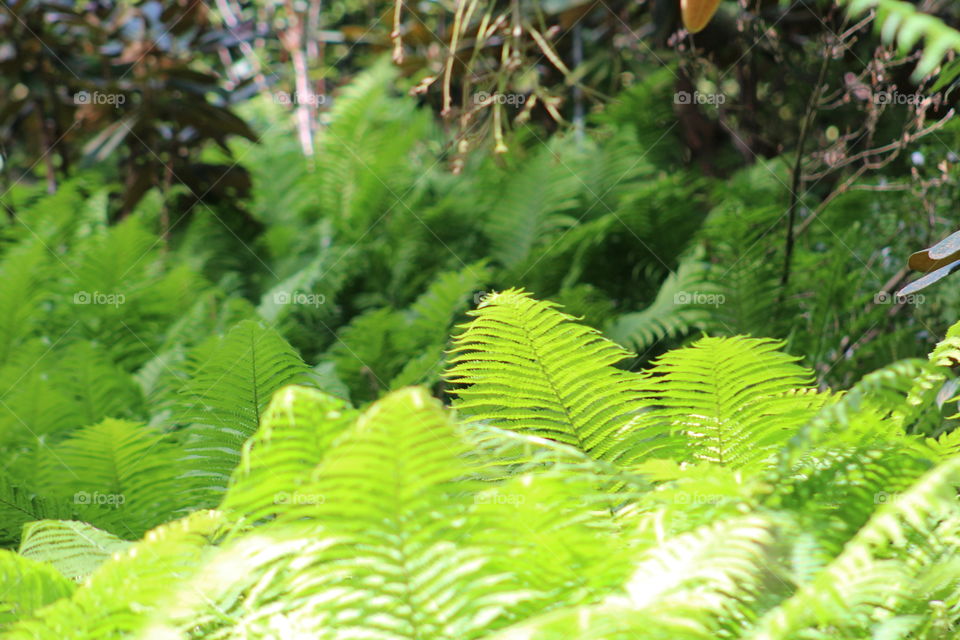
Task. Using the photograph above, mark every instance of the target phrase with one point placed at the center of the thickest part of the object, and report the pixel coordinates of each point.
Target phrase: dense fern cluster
(615, 226)
(715, 494)
(522, 402)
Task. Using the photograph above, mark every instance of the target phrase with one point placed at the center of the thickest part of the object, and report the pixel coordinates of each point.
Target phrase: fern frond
(23, 270)
(297, 429)
(123, 476)
(100, 388)
(310, 289)
(834, 491)
(116, 600)
(364, 167)
(903, 23)
(74, 548)
(553, 529)
(390, 487)
(364, 547)
(876, 574)
(701, 585)
(528, 367)
(530, 207)
(27, 585)
(34, 405)
(734, 401)
(387, 348)
(874, 411)
(431, 315)
(117, 293)
(20, 504)
(675, 311)
(231, 380)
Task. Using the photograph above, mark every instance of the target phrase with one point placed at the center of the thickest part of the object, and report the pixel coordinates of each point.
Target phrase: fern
(387, 349)
(903, 23)
(697, 585)
(528, 367)
(869, 580)
(538, 195)
(122, 476)
(27, 585)
(374, 548)
(110, 603)
(22, 270)
(297, 429)
(76, 549)
(363, 168)
(734, 401)
(20, 504)
(230, 381)
(680, 305)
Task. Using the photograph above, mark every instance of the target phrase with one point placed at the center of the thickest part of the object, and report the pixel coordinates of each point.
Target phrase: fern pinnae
(231, 380)
(531, 368)
(732, 401)
(75, 548)
(874, 576)
(28, 585)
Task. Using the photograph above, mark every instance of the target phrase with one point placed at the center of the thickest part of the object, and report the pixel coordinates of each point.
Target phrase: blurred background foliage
(768, 175)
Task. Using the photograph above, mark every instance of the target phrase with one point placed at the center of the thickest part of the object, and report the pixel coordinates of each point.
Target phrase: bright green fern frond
(400, 454)
(26, 585)
(735, 401)
(373, 545)
(548, 528)
(296, 431)
(835, 490)
(876, 410)
(115, 600)
(74, 548)
(529, 367)
(702, 585)
(391, 488)
(880, 569)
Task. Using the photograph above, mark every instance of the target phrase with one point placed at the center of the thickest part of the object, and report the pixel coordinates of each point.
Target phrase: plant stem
(798, 165)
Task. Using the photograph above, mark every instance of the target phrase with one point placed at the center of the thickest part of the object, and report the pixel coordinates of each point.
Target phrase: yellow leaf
(697, 13)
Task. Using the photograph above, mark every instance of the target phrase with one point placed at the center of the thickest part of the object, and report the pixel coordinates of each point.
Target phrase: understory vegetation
(616, 352)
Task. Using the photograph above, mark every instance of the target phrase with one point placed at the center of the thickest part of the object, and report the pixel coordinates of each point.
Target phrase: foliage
(118, 79)
(396, 521)
(639, 377)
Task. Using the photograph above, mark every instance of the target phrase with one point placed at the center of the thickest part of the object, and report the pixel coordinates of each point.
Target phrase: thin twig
(798, 165)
